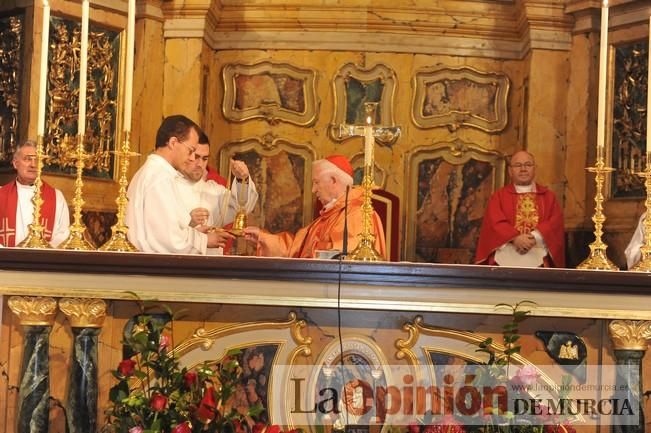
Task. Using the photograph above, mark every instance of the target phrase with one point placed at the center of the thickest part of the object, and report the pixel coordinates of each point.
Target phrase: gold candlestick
(365, 250)
(76, 240)
(119, 240)
(34, 238)
(644, 265)
(597, 259)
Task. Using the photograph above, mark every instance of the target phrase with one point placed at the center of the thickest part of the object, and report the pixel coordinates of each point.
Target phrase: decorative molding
(384, 80)
(84, 313)
(33, 311)
(442, 91)
(630, 334)
(298, 105)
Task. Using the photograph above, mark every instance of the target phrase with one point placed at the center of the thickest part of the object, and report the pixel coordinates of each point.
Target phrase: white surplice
(157, 222)
(632, 251)
(221, 206)
(25, 215)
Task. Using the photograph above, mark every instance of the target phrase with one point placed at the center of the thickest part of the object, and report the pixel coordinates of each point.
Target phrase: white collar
(521, 189)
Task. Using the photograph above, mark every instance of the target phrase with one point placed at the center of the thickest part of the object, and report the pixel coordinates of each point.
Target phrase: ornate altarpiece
(282, 172)
(11, 69)
(454, 183)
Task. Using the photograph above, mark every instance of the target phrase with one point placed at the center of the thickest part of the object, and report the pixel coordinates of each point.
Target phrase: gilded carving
(456, 97)
(353, 87)
(271, 91)
(63, 98)
(11, 43)
(33, 310)
(84, 313)
(454, 183)
(629, 118)
(630, 334)
(282, 172)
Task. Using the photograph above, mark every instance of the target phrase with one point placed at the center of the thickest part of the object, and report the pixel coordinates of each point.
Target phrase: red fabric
(498, 225)
(211, 174)
(8, 204)
(342, 163)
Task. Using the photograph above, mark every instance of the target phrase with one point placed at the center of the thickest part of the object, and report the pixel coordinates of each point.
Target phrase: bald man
(523, 224)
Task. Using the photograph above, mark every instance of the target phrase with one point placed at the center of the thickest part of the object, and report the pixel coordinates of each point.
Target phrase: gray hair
(26, 143)
(330, 169)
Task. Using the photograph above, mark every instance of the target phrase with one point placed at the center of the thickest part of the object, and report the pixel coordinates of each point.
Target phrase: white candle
(83, 67)
(42, 84)
(369, 142)
(648, 103)
(128, 82)
(603, 60)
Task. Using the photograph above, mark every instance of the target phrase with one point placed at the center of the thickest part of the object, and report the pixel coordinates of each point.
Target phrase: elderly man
(523, 224)
(208, 202)
(17, 210)
(331, 177)
(156, 220)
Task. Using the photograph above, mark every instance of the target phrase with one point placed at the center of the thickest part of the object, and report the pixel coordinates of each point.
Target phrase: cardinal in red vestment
(523, 224)
(331, 177)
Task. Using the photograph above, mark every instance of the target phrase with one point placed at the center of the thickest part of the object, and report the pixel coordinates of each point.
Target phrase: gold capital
(84, 313)
(630, 334)
(33, 310)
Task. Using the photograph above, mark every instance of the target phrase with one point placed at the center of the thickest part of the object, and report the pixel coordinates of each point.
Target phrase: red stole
(9, 204)
(501, 218)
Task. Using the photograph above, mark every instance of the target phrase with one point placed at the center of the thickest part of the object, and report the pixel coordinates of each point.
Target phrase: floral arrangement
(154, 394)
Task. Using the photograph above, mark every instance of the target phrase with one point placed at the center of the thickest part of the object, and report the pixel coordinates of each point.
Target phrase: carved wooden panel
(11, 66)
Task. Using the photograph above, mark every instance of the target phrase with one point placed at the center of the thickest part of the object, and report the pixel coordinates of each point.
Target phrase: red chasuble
(510, 214)
(8, 205)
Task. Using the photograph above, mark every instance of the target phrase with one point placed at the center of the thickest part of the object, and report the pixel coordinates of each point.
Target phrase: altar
(284, 313)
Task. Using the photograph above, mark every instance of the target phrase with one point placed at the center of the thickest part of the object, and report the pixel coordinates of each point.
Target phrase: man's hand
(252, 234)
(217, 239)
(524, 242)
(198, 216)
(239, 169)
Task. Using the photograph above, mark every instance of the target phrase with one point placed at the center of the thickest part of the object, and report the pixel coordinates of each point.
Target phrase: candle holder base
(34, 240)
(119, 242)
(76, 240)
(644, 265)
(365, 251)
(597, 260)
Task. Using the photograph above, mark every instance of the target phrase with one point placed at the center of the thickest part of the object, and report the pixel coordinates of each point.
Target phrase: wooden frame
(262, 94)
(456, 97)
(348, 112)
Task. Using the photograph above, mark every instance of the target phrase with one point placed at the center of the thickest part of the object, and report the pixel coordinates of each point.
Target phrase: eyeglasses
(519, 165)
(191, 149)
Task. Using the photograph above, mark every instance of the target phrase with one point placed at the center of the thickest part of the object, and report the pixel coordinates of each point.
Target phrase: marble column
(630, 339)
(36, 315)
(86, 317)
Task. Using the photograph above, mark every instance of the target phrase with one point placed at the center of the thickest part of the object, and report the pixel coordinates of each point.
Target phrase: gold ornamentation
(456, 153)
(644, 265)
(266, 157)
(83, 313)
(568, 351)
(630, 334)
(35, 236)
(456, 97)
(33, 311)
(526, 213)
(119, 240)
(598, 260)
(63, 96)
(384, 80)
(76, 239)
(272, 91)
(11, 42)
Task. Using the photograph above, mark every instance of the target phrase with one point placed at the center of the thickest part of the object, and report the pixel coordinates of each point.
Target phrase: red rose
(273, 429)
(190, 379)
(259, 427)
(207, 407)
(158, 402)
(126, 367)
(184, 427)
(413, 428)
(237, 426)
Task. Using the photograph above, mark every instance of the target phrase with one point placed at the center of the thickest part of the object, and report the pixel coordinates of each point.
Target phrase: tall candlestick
(128, 82)
(369, 142)
(42, 84)
(603, 59)
(83, 67)
(648, 102)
